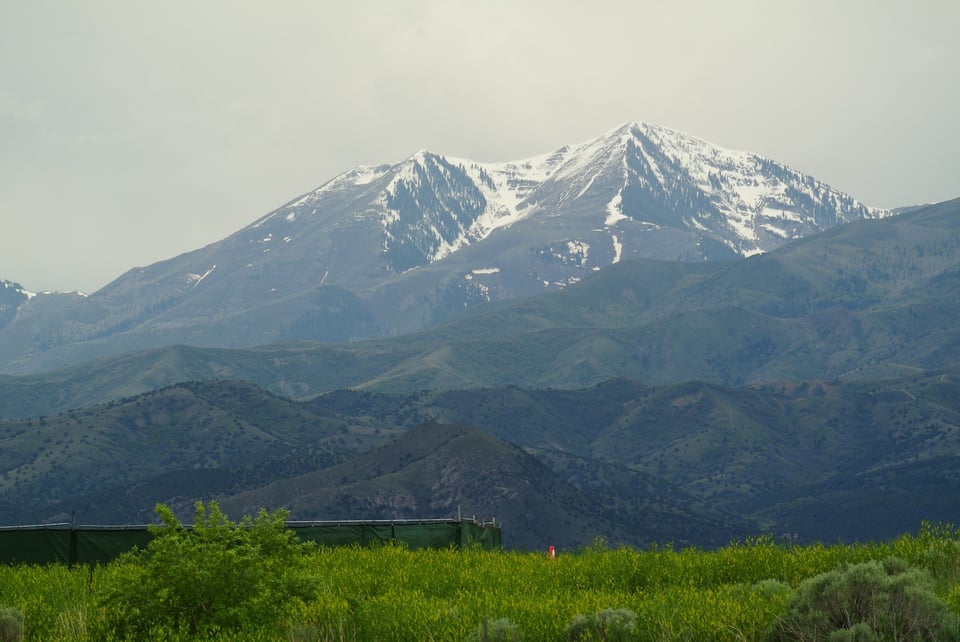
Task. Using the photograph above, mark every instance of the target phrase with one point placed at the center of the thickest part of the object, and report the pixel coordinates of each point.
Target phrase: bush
(11, 625)
(217, 576)
(870, 601)
(608, 624)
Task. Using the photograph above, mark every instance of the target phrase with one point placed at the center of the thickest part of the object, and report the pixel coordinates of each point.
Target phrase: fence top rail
(383, 522)
(38, 527)
(79, 527)
(62, 526)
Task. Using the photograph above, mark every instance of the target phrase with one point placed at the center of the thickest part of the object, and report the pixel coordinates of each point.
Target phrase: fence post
(74, 543)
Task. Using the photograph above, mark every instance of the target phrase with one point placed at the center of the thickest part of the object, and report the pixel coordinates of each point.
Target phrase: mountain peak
(641, 129)
(421, 155)
(392, 248)
(633, 127)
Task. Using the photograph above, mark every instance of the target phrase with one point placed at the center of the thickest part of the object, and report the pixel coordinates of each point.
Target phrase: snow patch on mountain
(195, 279)
(617, 248)
(361, 175)
(636, 178)
(615, 210)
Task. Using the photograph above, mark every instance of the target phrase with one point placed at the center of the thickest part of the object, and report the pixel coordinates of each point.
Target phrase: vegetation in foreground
(252, 581)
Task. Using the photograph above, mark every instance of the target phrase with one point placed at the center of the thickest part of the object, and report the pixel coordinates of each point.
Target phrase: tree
(218, 575)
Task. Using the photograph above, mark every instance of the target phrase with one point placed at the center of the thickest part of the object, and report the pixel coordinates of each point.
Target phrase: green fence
(68, 544)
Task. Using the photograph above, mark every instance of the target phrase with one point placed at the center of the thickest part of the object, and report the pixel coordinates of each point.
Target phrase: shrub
(770, 588)
(217, 576)
(608, 624)
(11, 625)
(868, 601)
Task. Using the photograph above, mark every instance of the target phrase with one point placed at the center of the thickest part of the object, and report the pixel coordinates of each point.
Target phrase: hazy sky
(131, 131)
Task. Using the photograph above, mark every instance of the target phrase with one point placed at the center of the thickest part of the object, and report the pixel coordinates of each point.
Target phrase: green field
(733, 593)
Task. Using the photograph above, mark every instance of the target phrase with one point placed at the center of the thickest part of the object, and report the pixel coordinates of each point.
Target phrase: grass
(732, 594)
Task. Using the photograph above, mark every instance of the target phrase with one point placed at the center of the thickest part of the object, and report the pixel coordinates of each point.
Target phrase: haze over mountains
(642, 337)
(382, 251)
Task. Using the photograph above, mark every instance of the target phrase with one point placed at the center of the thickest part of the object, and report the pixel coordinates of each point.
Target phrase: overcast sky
(131, 131)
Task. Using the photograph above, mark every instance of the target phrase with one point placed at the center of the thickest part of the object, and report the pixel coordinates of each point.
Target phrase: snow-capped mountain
(632, 181)
(393, 248)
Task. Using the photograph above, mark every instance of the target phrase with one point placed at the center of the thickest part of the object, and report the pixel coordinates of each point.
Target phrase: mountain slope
(868, 300)
(12, 296)
(684, 463)
(113, 459)
(825, 460)
(233, 442)
(434, 471)
(379, 251)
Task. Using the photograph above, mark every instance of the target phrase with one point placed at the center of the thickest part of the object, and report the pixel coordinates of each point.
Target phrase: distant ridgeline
(71, 544)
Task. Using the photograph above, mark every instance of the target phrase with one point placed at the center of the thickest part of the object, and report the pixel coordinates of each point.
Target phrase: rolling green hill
(232, 441)
(688, 463)
(438, 469)
(822, 459)
(114, 461)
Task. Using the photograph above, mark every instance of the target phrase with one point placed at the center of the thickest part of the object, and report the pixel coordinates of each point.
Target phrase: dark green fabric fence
(36, 544)
(67, 544)
(415, 534)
